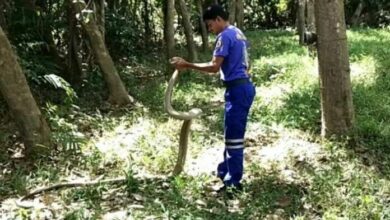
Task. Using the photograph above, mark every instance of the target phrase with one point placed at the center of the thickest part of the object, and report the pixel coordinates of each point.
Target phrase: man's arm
(210, 68)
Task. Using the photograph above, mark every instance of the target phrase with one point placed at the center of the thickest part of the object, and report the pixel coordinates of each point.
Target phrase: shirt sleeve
(222, 46)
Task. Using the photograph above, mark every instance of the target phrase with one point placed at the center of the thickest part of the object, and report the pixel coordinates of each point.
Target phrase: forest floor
(290, 172)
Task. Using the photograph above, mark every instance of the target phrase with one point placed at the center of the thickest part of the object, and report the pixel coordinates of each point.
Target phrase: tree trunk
(117, 91)
(73, 61)
(203, 28)
(16, 92)
(52, 51)
(100, 16)
(301, 20)
(135, 9)
(240, 13)
(335, 82)
(146, 16)
(310, 18)
(124, 7)
(112, 5)
(181, 9)
(169, 30)
(232, 11)
(355, 19)
(3, 21)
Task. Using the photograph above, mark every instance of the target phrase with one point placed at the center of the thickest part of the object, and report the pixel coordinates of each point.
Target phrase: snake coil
(185, 128)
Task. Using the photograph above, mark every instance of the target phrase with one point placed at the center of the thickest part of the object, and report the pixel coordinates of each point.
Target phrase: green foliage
(80, 214)
(288, 91)
(132, 183)
(370, 50)
(341, 187)
(14, 182)
(343, 181)
(340, 180)
(35, 68)
(64, 132)
(23, 214)
(32, 32)
(91, 195)
(302, 110)
(123, 41)
(157, 155)
(375, 13)
(59, 83)
(128, 33)
(265, 14)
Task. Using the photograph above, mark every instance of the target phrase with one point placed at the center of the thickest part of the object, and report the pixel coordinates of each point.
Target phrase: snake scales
(185, 128)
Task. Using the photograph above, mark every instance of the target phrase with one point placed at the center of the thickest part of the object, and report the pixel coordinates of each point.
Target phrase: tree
(310, 17)
(73, 61)
(335, 82)
(146, 16)
(232, 11)
(236, 12)
(182, 10)
(117, 91)
(301, 20)
(15, 90)
(355, 19)
(3, 22)
(240, 13)
(203, 28)
(100, 16)
(169, 31)
(368, 12)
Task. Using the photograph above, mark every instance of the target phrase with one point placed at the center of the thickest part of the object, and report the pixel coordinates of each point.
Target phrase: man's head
(216, 19)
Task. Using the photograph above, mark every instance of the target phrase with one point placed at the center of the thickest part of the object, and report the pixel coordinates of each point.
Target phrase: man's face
(214, 25)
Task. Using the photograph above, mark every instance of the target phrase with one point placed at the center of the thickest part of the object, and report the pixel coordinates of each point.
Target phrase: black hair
(213, 11)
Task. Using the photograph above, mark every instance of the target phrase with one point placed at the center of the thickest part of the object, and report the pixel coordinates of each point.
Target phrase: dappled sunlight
(283, 149)
(364, 70)
(312, 67)
(206, 162)
(274, 94)
(122, 139)
(366, 35)
(265, 146)
(276, 145)
(290, 171)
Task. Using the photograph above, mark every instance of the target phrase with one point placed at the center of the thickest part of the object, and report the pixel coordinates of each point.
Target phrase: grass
(290, 172)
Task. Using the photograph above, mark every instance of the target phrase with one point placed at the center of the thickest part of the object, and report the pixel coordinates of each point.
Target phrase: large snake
(183, 146)
(185, 128)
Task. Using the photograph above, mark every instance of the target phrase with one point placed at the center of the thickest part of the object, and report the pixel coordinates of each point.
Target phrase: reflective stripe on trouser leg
(236, 112)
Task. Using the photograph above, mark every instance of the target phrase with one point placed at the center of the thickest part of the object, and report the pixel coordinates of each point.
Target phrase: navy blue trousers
(238, 100)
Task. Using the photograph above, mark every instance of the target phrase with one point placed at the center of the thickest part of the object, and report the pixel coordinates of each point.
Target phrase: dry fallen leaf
(48, 199)
(138, 197)
(283, 201)
(200, 202)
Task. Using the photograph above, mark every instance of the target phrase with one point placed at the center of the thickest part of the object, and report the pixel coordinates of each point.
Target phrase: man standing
(230, 57)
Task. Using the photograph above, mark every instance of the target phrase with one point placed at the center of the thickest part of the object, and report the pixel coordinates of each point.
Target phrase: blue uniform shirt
(232, 44)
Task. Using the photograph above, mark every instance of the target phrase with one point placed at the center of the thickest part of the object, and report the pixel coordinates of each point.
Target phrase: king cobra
(183, 146)
(185, 128)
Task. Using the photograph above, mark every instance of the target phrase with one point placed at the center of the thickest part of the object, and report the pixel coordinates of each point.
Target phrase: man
(230, 57)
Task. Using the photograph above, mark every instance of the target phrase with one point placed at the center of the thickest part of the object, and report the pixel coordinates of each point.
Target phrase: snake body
(183, 146)
(185, 128)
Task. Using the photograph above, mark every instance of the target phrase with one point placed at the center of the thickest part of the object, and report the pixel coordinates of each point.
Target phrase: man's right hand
(179, 63)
